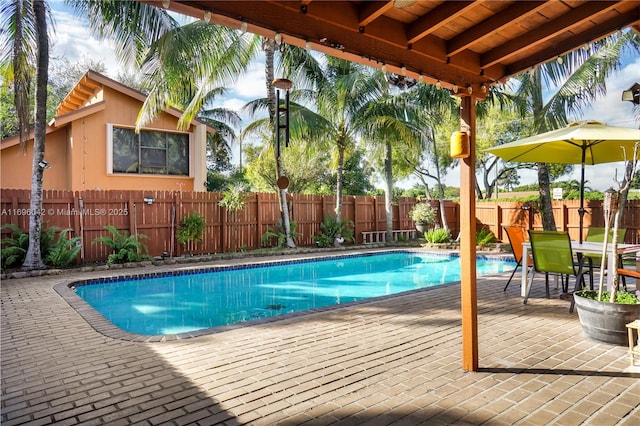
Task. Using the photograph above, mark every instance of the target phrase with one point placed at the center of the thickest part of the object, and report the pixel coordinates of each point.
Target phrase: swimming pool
(183, 302)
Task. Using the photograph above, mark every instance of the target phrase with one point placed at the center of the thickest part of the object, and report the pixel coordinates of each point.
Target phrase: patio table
(588, 247)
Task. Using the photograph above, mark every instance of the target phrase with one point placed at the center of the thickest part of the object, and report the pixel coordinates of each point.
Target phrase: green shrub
(484, 236)
(64, 252)
(437, 236)
(277, 233)
(126, 248)
(330, 228)
(191, 228)
(621, 296)
(234, 197)
(422, 213)
(13, 249)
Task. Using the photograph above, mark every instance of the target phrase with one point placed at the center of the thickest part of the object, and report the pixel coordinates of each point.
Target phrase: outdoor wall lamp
(632, 94)
(44, 165)
(149, 200)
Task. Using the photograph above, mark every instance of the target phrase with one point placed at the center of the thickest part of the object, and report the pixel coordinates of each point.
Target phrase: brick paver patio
(391, 361)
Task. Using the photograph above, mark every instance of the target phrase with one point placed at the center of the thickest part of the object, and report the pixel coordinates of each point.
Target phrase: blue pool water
(177, 303)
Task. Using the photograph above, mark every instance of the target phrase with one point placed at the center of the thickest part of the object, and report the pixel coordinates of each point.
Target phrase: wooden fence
(494, 214)
(87, 212)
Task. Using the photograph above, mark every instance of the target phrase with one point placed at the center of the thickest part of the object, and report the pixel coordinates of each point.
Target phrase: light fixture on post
(438, 85)
(207, 16)
(244, 26)
(483, 88)
(459, 144)
(43, 164)
(278, 38)
(469, 90)
(166, 3)
(454, 88)
(632, 94)
(383, 68)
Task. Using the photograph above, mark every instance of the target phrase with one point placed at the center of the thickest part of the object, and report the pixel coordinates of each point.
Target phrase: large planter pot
(422, 227)
(605, 322)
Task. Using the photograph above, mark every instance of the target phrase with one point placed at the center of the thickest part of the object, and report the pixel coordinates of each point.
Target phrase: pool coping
(102, 325)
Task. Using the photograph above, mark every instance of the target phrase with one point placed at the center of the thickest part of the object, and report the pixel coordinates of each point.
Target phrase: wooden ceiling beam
(518, 11)
(372, 10)
(334, 28)
(544, 33)
(437, 18)
(602, 30)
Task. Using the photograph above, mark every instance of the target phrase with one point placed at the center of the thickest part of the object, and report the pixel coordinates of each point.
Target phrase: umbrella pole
(581, 210)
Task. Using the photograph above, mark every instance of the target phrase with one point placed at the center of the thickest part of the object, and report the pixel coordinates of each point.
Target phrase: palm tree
(575, 81)
(29, 45)
(390, 123)
(182, 64)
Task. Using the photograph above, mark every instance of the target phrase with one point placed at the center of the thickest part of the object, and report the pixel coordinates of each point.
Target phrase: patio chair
(596, 234)
(629, 273)
(552, 253)
(516, 235)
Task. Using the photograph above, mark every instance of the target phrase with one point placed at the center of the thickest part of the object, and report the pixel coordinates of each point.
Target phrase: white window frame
(109, 144)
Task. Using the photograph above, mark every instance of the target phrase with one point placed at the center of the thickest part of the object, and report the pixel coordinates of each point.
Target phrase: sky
(73, 41)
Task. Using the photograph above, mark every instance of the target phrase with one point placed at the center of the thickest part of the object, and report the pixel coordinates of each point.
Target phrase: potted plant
(604, 314)
(423, 215)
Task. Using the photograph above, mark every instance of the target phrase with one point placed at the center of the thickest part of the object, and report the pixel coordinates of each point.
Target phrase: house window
(150, 152)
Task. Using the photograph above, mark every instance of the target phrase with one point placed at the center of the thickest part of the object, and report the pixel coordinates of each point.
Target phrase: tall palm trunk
(33, 258)
(544, 183)
(269, 52)
(388, 189)
(339, 180)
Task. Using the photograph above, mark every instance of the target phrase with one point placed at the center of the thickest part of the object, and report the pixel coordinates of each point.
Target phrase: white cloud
(251, 85)
(72, 40)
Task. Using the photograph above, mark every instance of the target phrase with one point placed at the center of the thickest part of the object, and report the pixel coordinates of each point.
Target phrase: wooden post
(469, 292)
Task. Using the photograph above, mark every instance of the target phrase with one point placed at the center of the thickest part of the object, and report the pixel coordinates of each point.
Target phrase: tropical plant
(484, 236)
(277, 233)
(437, 236)
(234, 197)
(25, 55)
(13, 249)
(64, 252)
(422, 213)
(330, 228)
(126, 248)
(191, 229)
(389, 128)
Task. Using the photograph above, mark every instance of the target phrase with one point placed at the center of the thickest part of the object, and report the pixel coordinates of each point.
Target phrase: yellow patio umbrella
(582, 142)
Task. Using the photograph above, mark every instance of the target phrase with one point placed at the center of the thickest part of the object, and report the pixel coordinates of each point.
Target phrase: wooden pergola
(463, 46)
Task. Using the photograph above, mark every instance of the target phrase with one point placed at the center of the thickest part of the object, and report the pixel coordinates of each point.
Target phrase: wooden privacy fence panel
(157, 214)
(494, 214)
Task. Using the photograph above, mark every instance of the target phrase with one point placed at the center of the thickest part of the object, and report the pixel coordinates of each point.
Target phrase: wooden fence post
(499, 221)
